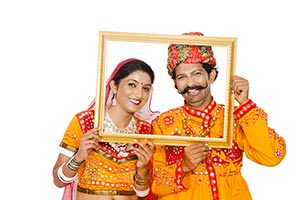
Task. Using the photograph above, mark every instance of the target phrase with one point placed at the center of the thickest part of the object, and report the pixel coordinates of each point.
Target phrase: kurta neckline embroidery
(207, 124)
(205, 114)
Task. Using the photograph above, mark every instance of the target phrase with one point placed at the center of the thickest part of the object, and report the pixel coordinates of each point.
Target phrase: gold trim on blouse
(115, 160)
(68, 147)
(105, 192)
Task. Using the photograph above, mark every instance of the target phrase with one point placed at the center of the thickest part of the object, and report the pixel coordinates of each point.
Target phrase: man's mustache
(196, 87)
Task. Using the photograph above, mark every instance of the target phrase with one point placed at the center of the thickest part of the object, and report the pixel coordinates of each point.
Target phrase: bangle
(141, 180)
(62, 177)
(73, 164)
(141, 193)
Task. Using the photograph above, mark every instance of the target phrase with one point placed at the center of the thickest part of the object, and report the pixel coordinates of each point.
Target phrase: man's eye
(197, 73)
(180, 77)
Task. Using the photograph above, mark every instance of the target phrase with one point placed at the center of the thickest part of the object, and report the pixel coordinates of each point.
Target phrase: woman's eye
(131, 84)
(146, 89)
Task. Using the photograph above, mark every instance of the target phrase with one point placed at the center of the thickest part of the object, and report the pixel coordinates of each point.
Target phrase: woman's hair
(124, 69)
(130, 67)
(208, 68)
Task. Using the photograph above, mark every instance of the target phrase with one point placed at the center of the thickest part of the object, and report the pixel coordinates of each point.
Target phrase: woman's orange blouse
(105, 171)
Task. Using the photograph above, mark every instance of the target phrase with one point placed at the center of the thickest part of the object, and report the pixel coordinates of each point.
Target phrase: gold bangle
(141, 180)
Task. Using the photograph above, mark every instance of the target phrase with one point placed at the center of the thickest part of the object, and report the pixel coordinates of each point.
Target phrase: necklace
(205, 126)
(109, 126)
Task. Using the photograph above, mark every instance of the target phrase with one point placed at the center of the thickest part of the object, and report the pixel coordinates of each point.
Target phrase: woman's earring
(114, 101)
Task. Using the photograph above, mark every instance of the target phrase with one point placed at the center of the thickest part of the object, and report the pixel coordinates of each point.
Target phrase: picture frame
(227, 43)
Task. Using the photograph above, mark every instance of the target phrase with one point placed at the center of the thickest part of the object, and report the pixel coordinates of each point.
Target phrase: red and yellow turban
(189, 54)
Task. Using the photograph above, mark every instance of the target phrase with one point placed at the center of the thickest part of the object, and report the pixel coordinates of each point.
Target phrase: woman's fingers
(144, 152)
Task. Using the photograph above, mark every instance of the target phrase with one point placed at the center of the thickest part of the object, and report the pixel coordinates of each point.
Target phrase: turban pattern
(189, 54)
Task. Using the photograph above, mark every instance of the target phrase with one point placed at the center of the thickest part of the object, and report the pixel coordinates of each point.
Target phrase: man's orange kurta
(219, 176)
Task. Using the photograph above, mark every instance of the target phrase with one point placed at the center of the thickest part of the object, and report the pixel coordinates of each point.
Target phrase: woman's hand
(88, 141)
(144, 152)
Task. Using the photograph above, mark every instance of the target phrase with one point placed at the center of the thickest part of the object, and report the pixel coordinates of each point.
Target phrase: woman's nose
(139, 92)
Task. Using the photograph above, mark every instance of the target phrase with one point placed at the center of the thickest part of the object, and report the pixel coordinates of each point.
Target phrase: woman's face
(133, 91)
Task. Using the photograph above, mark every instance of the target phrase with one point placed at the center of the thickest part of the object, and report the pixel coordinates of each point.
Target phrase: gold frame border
(230, 43)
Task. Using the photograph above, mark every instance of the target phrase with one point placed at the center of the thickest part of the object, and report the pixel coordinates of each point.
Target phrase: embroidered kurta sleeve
(71, 138)
(260, 143)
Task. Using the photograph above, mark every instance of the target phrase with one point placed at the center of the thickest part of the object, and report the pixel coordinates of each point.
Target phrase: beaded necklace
(109, 126)
(205, 127)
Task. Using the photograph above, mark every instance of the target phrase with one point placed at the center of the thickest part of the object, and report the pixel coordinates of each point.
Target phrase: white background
(48, 63)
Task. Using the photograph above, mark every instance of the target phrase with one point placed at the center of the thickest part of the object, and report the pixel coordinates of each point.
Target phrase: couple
(91, 169)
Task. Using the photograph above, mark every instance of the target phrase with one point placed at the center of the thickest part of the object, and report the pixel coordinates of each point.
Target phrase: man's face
(193, 83)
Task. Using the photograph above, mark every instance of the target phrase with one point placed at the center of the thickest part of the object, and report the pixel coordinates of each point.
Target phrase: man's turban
(189, 54)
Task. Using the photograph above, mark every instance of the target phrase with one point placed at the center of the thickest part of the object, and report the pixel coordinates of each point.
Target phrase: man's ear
(175, 84)
(212, 76)
(113, 86)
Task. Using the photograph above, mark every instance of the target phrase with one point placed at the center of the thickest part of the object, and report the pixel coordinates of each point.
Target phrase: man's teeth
(193, 91)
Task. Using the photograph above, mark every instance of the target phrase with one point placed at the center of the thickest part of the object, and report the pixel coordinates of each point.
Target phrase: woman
(106, 171)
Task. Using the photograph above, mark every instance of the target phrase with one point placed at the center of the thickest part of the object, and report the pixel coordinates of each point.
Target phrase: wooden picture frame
(230, 44)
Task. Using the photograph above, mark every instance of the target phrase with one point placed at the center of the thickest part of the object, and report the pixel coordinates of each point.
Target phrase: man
(197, 171)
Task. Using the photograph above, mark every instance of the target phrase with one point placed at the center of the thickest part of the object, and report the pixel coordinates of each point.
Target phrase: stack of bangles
(73, 165)
(142, 181)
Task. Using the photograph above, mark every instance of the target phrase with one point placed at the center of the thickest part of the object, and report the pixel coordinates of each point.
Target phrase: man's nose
(191, 81)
